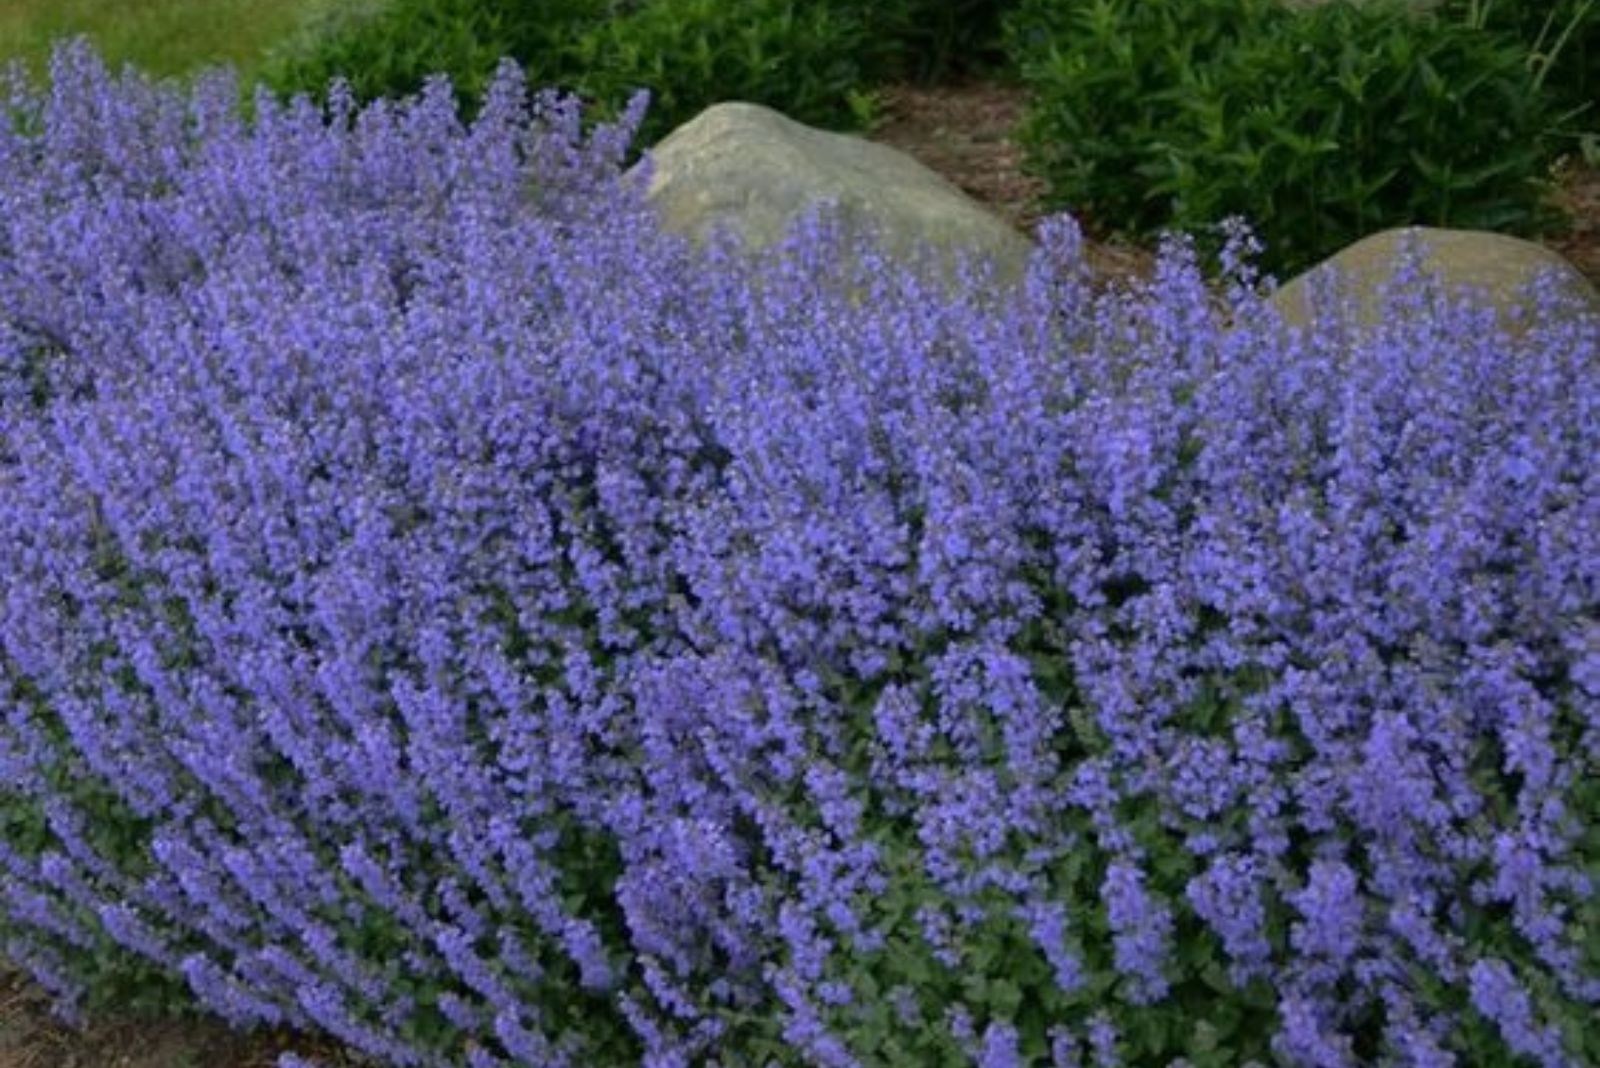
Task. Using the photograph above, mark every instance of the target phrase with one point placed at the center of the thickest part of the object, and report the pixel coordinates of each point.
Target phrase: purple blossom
(1229, 897)
(1331, 910)
(999, 1049)
(429, 575)
(1498, 996)
(1048, 925)
(1306, 1038)
(1103, 1040)
(1142, 931)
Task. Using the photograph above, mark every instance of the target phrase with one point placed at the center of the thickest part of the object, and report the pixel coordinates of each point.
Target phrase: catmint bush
(443, 611)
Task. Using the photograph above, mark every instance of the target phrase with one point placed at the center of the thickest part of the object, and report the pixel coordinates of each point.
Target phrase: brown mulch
(1579, 194)
(30, 1037)
(965, 134)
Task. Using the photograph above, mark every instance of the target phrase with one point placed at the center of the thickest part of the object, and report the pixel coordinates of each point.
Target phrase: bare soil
(30, 1037)
(965, 134)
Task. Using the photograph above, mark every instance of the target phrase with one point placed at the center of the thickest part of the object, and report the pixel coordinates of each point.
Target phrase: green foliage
(387, 49)
(805, 59)
(1001, 974)
(1096, 69)
(1561, 39)
(930, 40)
(816, 61)
(1319, 126)
(810, 59)
(114, 977)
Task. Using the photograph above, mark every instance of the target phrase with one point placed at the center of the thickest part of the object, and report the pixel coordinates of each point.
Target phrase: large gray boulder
(1499, 267)
(758, 171)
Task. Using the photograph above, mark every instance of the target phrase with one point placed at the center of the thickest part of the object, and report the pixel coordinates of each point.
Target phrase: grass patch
(165, 37)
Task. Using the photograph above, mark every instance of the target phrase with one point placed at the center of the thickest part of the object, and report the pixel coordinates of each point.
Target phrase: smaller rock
(1498, 266)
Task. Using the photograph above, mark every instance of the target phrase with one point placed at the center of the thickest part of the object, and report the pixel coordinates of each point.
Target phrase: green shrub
(810, 59)
(931, 40)
(1320, 125)
(387, 49)
(1099, 71)
(807, 59)
(815, 60)
(1562, 39)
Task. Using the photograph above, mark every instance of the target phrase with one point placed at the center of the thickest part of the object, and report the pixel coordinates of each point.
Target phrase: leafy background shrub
(482, 630)
(1321, 125)
(816, 61)
(930, 40)
(388, 48)
(808, 60)
(1562, 39)
(1102, 74)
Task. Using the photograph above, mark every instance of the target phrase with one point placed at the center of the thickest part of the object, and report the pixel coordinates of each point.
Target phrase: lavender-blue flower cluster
(439, 609)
